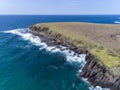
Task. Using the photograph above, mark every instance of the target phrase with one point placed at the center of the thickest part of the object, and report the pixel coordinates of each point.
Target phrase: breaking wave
(70, 55)
(117, 22)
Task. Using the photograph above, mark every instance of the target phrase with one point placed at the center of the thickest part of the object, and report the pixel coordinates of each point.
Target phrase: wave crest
(117, 22)
(70, 55)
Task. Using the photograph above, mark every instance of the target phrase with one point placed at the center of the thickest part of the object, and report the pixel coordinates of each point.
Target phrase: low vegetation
(90, 39)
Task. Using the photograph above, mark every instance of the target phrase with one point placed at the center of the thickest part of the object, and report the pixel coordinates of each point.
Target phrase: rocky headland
(88, 39)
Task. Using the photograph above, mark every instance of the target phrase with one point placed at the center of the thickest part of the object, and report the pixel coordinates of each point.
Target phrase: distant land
(100, 43)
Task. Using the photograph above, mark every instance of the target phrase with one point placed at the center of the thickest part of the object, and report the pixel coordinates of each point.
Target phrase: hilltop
(100, 42)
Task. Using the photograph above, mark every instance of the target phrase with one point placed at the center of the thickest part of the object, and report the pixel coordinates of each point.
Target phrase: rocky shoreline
(94, 70)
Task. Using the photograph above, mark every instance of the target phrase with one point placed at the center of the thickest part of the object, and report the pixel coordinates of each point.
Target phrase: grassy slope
(107, 56)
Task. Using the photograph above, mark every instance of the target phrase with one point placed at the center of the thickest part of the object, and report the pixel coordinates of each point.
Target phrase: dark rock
(98, 75)
(94, 70)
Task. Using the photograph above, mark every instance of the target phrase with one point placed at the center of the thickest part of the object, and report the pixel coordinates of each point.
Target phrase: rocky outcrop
(57, 39)
(94, 70)
(98, 75)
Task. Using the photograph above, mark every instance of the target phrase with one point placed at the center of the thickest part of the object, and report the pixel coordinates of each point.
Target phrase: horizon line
(60, 14)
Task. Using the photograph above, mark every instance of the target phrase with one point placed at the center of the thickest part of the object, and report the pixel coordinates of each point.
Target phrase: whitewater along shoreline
(94, 70)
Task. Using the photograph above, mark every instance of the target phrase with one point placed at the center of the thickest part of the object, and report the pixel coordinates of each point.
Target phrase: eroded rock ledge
(98, 75)
(94, 70)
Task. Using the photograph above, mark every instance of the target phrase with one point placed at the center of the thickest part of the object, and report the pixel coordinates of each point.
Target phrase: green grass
(106, 56)
(109, 60)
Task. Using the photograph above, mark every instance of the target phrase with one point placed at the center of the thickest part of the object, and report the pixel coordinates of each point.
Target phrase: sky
(60, 7)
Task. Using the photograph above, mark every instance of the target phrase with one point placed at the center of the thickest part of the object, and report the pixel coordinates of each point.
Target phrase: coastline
(94, 70)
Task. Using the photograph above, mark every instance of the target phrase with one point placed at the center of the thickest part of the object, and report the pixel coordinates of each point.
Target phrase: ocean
(27, 63)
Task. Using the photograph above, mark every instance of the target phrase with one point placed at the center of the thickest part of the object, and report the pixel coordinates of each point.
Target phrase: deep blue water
(28, 64)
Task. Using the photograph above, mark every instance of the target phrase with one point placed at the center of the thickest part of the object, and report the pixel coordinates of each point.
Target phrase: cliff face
(57, 39)
(98, 75)
(94, 70)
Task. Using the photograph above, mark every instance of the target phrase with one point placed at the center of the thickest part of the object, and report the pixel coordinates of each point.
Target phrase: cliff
(79, 37)
(98, 75)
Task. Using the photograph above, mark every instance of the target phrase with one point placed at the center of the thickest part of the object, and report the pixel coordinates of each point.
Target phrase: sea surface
(26, 63)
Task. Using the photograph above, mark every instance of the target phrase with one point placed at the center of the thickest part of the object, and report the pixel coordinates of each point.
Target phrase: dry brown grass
(94, 36)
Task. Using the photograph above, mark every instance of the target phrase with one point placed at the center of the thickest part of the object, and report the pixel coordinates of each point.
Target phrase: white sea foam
(94, 88)
(97, 88)
(117, 22)
(70, 55)
(27, 36)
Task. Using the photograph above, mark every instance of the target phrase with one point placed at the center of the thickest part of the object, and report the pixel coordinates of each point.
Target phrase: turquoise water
(26, 63)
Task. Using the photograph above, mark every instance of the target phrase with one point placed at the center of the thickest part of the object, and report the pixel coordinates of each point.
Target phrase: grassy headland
(101, 40)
